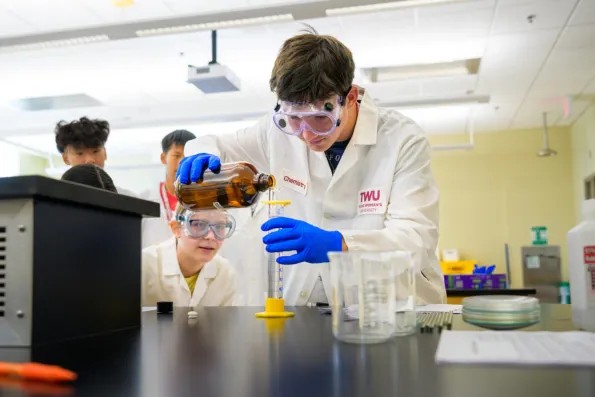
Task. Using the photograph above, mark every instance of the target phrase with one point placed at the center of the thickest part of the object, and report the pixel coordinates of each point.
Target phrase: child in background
(186, 269)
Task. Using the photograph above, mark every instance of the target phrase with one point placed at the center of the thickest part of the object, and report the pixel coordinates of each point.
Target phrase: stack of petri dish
(501, 312)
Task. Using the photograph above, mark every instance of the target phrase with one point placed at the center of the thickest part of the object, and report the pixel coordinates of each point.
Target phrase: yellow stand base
(274, 308)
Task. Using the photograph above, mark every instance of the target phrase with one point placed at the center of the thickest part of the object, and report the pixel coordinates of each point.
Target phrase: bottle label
(589, 254)
(590, 279)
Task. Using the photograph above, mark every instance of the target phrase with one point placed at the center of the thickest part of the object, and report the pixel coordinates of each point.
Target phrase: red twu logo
(371, 195)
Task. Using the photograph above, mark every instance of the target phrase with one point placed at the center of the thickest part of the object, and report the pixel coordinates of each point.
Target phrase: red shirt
(171, 199)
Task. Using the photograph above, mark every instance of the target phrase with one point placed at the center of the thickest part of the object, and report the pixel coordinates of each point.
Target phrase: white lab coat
(382, 197)
(163, 280)
(245, 251)
(155, 230)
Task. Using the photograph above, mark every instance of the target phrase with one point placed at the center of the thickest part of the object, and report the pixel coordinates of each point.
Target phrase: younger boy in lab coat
(186, 269)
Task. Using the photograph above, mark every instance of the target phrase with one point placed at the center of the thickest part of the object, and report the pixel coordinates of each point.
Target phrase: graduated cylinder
(275, 270)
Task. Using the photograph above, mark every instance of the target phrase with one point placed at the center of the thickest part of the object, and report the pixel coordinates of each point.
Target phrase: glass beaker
(405, 315)
(373, 295)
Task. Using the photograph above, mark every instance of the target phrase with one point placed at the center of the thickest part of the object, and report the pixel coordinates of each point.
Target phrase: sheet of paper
(441, 308)
(533, 262)
(149, 308)
(516, 347)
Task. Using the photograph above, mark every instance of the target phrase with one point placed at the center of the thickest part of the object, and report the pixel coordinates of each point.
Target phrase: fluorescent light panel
(55, 43)
(405, 72)
(215, 25)
(436, 101)
(385, 6)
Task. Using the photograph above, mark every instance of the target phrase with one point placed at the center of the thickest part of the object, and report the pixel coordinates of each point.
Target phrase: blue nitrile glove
(311, 243)
(192, 168)
(479, 270)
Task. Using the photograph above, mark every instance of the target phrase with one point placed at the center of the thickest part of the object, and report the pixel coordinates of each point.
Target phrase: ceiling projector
(213, 78)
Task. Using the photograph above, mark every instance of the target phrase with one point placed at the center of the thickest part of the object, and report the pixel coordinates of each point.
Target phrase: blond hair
(179, 213)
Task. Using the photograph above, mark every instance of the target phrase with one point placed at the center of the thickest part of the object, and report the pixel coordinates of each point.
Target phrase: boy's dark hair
(312, 67)
(82, 133)
(90, 175)
(177, 137)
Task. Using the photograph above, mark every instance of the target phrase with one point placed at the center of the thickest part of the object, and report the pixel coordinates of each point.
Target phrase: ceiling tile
(511, 61)
(496, 116)
(517, 52)
(505, 83)
(391, 49)
(574, 37)
(454, 8)
(465, 23)
(53, 16)
(548, 14)
(566, 72)
(448, 86)
(590, 89)
(262, 3)
(141, 10)
(13, 25)
(584, 14)
(530, 113)
(182, 7)
(404, 18)
(330, 25)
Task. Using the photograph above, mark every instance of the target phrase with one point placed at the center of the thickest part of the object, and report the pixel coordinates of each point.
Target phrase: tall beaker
(373, 295)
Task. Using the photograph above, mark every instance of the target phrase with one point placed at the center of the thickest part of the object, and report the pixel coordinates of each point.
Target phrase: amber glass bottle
(237, 185)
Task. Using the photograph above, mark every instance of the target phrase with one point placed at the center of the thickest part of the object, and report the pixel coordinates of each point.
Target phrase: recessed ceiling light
(419, 71)
(215, 25)
(436, 101)
(55, 43)
(386, 6)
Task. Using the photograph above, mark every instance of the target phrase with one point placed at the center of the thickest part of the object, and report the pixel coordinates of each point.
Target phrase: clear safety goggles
(198, 224)
(321, 118)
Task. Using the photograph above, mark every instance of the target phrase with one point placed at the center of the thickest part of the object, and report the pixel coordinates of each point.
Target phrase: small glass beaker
(373, 295)
(405, 315)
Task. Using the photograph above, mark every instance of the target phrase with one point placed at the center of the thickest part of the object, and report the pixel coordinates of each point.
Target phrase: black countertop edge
(35, 186)
(475, 292)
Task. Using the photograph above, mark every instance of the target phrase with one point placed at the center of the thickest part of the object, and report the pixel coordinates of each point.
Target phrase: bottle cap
(165, 307)
(589, 209)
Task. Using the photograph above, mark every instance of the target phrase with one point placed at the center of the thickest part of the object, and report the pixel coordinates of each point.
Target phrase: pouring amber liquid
(237, 185)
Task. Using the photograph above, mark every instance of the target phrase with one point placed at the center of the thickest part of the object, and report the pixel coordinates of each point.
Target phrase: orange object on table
(35, 371)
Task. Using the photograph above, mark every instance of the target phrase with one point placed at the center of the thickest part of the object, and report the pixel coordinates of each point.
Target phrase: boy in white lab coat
(358, 176)
(186, 269)
(157, 230)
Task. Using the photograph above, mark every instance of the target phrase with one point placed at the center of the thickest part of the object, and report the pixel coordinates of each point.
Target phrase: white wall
(137, 179)
(9, 160)
(583, 155)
